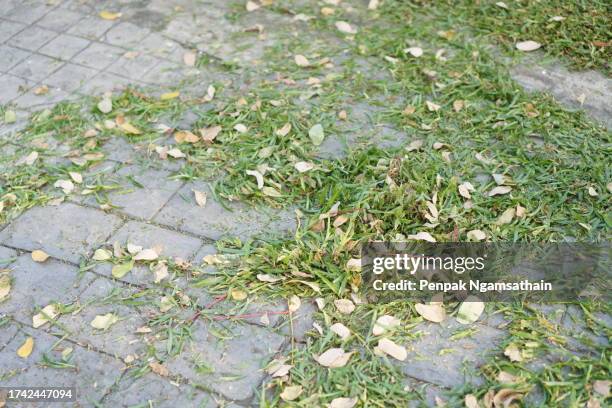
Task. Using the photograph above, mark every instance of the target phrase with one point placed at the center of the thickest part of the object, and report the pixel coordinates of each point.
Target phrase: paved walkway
(68, 48)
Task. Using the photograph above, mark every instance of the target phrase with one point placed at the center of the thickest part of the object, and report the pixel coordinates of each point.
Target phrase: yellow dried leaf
(26, 348)
(109, 15)
(39, 256)
(169, 95)
(130, 129)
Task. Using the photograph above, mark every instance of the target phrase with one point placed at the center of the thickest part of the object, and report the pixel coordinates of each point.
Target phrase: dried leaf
(159, 369)
(301, 61)
(506, 217)
(238, 294)
(169, 95)
(520, 211)
(161, 272)
(345, 27)
(148, 254)
(251, 6)
(465, 189)
(284, 131)
(47, 313)
(109, 15)
(433, 312)
(354, 264)
(120, 270)
(432, 107)
(176, 153)
(294, 303)
(271, 192)
(499, 190)
(470, 401)
(101, 254)
(189, 58)
(513, 353)
(130, 129)
(505, 397)
(344, 306)
(458, 105)
(291, 393)
(343, 402)
(26, 348)
(470, 310)
(316, 134)
(414, 51)
(422, 236)
(476, 235)
(394, 350)
(105, 105)
(384, 323)
(528, 46)
(200, 197)
(66, 185)
(264, 277)
(320, 303)
(373, 4)
(258, 176)
(592, 192)
(209, 134)
(39, 255)
(341, 330)
(240, 128)
(602, 387)
(185, 136)
(506, 378)
(10, 116)
(334, 358)
(103, 322)
(303, 167)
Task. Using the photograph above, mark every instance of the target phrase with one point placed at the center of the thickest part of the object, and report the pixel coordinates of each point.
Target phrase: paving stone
(104, 82)
(9, 29)
(59, 19)
(70, 77)
(101, 297)
(11, 56)
(125, 35)
(93, 375)
(143, 202)
(64, 46)
(567, 86)
(36, 67)
(159, 46)
(437, 359)
(98, 56)
(32, 38)
(91, 27)
(301, 322)
(35, 285)
(235, 363)
(152, 390)
(165, 73)
(12, 87)
(214, 221)
(28, 12)
(8, 330)
(32, 101)
(7, 256)
(134, 68)
(66, 231)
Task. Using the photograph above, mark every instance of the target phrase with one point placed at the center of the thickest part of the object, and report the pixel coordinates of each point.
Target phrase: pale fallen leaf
(353, 264)
(189, 58)
(160, 271)
(343, 402)
(341, 330)
(293, 304)
(209, 134)
(41, 90)
(505, 397)
(271, 192)
(527, 46)
(5, 285)
(26, 348)
(470, 310)
(506, 378)
(103, 322)
(344, 306)
(109, 15)
(602, 387)
(133, 249)
(470, 401)
(432, 107)
(422, 236)
(384, 323)
(66, 185)
(520, 211)
(414, 51)
(210, 93)
(176, 153)
(47, 313)
(238, 294)
(284, 131)
(39, 255)
(327, 11)
(301, 61)
(458, 105)
(264, 277)
(291, 393)
(258, 176)
(502, 5)
(240, 128)
(148, 254)
(278, 368)
(373, 4)
(169, 95)
(316, 134)
(340, 220)
(414, 145)
(29, 159)
(166, 303)
(303, 167)
(513, 353)
(345, 27)
(185, 136)
(394, 350)
(251, 6)
(130, 129)
(120, 270)
(476, 235)
(76, 177)
(10, 116)
(465, 189)
(433, 312)
(159, 369)
(592, 192)
(506, 217)
(320, 303)
(200, 197)
(334, 358)
(499, 190)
